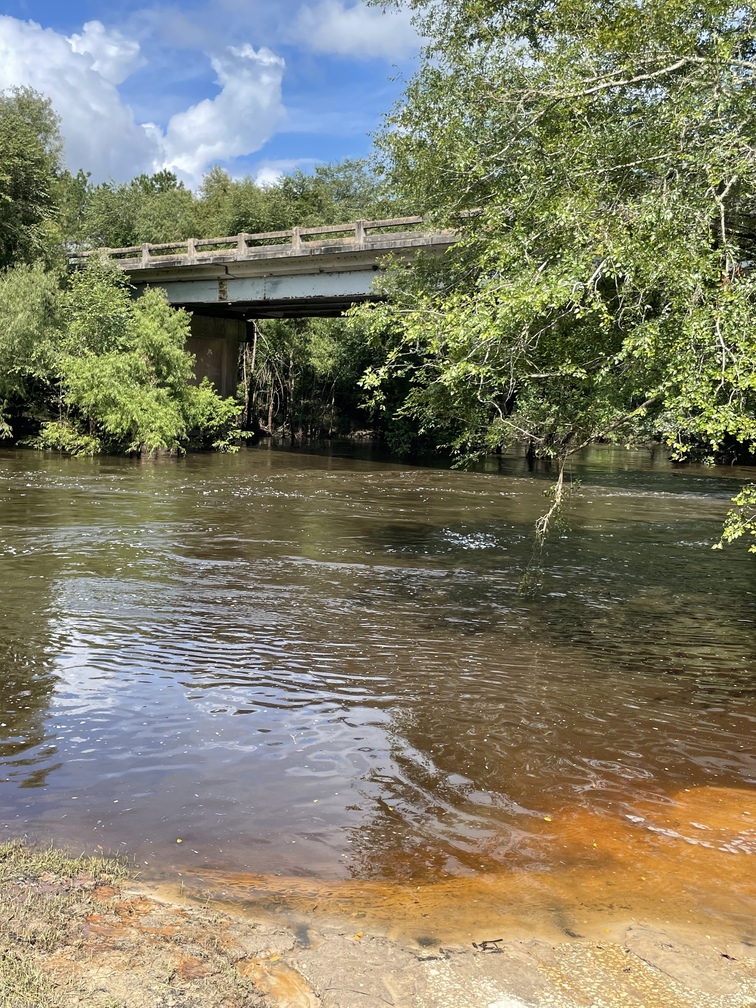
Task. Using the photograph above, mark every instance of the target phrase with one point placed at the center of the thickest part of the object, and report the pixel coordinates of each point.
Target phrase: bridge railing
(360, 234)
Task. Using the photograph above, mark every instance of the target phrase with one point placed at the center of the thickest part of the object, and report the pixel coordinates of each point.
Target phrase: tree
(303, 375)
(150, 208)
(73, 193)
(86, 368)
(330, 194)
(598, 162)
(30, 150)
(337, 193)
(29, 338)
(229, 206)
(741, 519)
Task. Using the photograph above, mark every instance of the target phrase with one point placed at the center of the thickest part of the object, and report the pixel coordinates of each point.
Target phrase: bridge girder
(296, 295)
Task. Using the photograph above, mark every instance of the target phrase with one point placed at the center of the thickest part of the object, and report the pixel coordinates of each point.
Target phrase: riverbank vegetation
(45, 896)
(600, 171)
(84, 368)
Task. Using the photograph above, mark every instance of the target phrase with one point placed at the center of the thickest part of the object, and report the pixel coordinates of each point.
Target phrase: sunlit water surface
(326, 667)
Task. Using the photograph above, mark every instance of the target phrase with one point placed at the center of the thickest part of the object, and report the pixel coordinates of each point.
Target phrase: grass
(44, 894)
(22, 862)
(70, 937)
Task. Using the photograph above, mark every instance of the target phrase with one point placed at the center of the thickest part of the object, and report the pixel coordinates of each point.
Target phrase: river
(306, 666)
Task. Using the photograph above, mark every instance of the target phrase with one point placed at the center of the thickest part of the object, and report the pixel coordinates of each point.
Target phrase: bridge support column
(215, 345)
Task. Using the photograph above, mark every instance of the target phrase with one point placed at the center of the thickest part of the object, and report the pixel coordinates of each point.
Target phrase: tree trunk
(290, 404)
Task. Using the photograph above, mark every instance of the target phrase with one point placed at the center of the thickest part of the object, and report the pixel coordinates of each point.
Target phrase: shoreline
(85, 931)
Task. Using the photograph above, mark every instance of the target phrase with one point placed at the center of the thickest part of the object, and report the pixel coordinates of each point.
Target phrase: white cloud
(269, 172)
(113, 55)
(237, 121)
(333, 26)
(99, 130)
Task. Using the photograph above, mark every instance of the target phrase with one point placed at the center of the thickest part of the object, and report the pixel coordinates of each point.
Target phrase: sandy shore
(82, 932)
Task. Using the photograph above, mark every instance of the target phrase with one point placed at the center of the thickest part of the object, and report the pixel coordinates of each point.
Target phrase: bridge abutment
(215, 344)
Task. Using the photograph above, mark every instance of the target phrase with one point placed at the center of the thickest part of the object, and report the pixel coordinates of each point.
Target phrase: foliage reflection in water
(304, 665)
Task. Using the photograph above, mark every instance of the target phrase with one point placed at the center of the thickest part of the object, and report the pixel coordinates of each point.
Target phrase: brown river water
(298, 677)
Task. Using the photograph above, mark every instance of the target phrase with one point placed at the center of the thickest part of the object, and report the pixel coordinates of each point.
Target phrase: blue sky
(259, 86)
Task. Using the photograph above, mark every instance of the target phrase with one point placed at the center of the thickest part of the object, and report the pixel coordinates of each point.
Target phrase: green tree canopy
(149, 208)
(124, 377)
(227, 206)
(30, 150)
(336, 193)
(158, 208)
(29, 335)
(598, 160)
(85, 367)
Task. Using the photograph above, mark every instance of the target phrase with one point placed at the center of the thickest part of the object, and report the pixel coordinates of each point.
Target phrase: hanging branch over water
(601, 171)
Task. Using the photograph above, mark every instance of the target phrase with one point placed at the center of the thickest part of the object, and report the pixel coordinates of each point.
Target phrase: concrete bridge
(227, 283)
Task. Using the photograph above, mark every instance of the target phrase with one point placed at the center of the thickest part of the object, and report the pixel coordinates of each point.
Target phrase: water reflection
(299, 664)
(29, 640)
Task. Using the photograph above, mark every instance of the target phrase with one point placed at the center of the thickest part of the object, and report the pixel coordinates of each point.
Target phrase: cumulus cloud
(113, 56)
(339, 28)
(79, 75)
(98, 129)
(237, 121)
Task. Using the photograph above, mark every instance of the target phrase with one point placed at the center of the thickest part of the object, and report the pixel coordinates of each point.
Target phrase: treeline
(158, 208)
(85, 368)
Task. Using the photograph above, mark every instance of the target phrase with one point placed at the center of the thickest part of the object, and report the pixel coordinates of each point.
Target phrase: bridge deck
(305, 271)
(377, 237)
